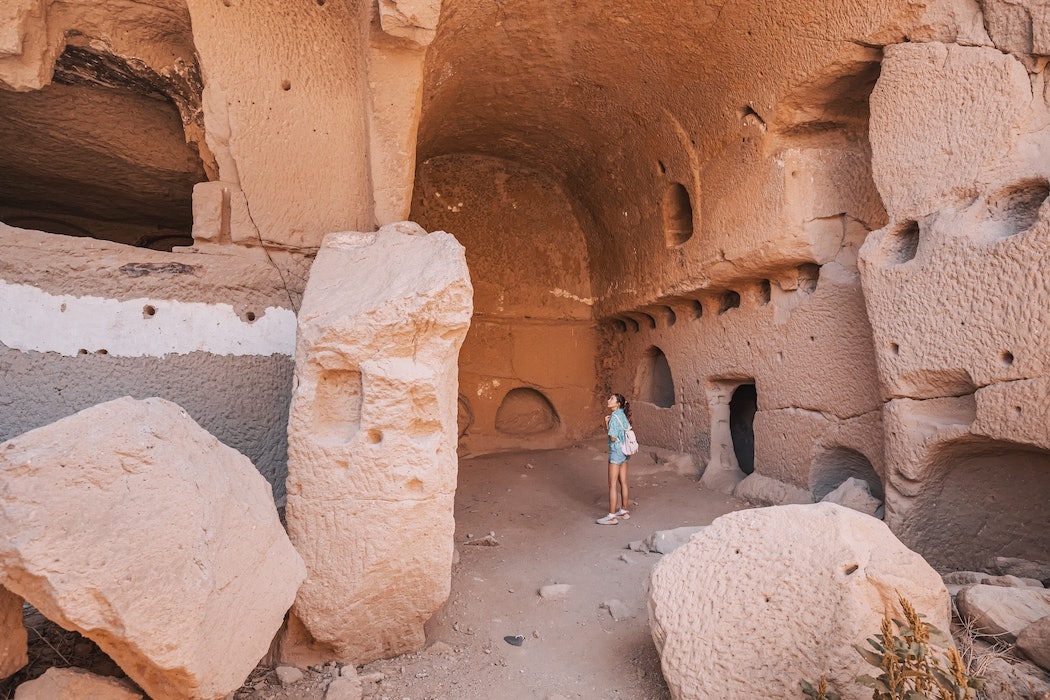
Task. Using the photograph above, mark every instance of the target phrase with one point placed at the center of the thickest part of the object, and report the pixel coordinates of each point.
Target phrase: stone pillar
(397, 50)
(723, 472)
(372, 438)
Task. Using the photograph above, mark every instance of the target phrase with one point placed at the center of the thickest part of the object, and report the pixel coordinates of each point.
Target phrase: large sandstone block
(945, 121)
(1003, 612)
(13, 636)
(954, 285)
(372, 437)
(130, 524)
(763, 598)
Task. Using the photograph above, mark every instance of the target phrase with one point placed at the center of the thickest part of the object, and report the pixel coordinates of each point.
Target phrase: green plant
(913, 668)
(913, 665)
(821, 692)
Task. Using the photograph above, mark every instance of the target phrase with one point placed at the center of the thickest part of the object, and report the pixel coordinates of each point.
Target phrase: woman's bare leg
(614, 472)
(625, 496)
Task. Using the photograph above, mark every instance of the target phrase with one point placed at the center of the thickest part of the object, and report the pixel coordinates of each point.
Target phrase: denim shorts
(616, 455)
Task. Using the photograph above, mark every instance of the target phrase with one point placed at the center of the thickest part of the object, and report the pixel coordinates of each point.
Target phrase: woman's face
(612, 403)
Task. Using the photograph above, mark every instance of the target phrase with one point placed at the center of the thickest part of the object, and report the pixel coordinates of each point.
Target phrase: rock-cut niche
(525, 411)
(984, 498)
(834, 466)
(654, 383)
(101, 152)
(677, 215)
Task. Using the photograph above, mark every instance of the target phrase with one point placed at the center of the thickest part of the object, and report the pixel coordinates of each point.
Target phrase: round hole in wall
(780, 356)
(249, 316)
(374, 436)
(82, 351)
(1017, 410)
(102, 351)
(902, 244)
(1007, 358)
(808, 276)
(895, 349)
(62, 308)
(286, 85)
(729, 300)
(148, 311)
(669, 315)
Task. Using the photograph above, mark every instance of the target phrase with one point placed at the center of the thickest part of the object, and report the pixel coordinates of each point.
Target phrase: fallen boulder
(856, 494)
(1003, 612)
(130, 524)
(75, 684)
(765, 598)
(1034, 642)
(666, 541)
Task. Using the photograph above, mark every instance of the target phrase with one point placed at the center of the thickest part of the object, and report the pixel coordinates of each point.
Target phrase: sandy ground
(541, 508)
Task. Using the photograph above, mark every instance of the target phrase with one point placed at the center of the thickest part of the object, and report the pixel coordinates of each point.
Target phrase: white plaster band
(33, 320)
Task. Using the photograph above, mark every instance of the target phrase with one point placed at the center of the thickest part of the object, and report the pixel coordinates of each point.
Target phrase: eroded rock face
(372, 437)
(796, 586)
(954, 291)
(13, 637)
(130, 524)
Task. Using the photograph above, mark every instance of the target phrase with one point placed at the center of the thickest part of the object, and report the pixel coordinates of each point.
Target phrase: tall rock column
(372, 437)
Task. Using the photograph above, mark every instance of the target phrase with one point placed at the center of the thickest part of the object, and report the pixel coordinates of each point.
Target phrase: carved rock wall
(527, 370)
(89, 321)
(955, 292)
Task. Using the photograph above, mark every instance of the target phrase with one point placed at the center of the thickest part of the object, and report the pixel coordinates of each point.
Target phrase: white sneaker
(623, 514)
(609, 519)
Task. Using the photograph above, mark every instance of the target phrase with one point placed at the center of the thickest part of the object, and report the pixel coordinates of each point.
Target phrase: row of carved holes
(808, 275)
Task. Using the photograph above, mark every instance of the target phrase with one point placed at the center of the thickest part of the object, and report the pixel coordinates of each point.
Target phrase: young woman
(618, 422)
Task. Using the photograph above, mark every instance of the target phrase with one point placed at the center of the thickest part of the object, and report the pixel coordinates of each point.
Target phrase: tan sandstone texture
(13, 634)
(372, 437)
(130, 524)
(763, 598)
(956, 295)
(75, 684)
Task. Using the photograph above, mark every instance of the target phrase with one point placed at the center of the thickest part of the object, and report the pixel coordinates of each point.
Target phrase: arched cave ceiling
(105, 141)
(615, 97)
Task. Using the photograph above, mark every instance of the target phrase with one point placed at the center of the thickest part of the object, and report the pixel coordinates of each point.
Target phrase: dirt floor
(540, 508)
